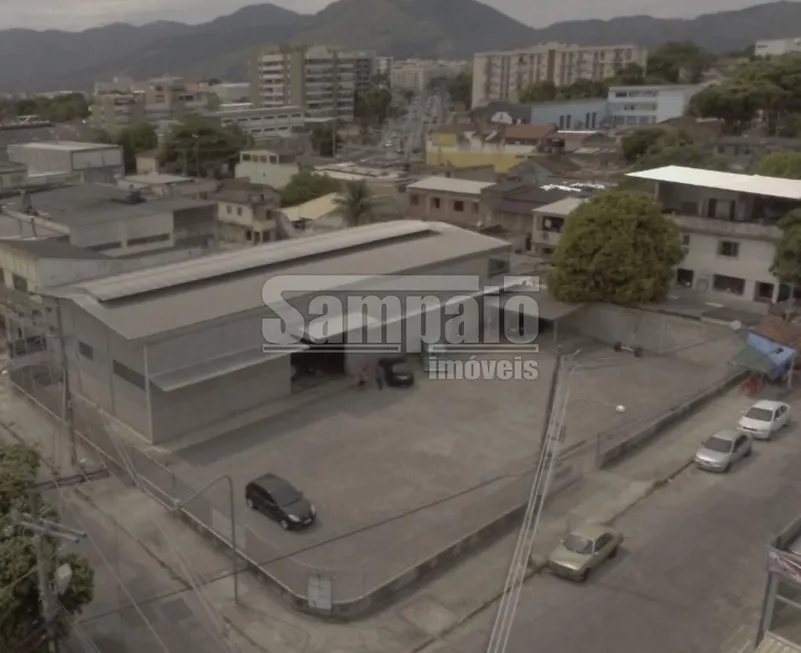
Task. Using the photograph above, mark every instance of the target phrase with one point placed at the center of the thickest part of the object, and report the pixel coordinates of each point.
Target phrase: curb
(538, 562)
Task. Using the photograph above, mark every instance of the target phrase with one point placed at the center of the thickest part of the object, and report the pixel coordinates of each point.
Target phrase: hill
(427, 28)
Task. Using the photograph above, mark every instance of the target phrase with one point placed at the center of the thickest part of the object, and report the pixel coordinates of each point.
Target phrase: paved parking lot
(399, 474)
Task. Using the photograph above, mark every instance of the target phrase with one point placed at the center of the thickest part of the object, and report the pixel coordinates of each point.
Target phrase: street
(690, 576)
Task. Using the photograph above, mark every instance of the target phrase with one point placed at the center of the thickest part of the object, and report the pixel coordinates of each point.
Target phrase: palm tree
(356, 204)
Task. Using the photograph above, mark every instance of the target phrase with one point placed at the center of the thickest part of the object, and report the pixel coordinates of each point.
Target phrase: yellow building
(503, 148)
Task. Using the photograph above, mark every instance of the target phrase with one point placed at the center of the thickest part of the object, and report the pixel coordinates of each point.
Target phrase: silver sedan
(722, 450)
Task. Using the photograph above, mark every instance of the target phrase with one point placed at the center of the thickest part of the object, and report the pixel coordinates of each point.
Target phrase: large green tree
(678, 62)
(135, 139)
(197, 145)
(372, 106)
(58, 108)
(787, 258)
(306, 186)
(654, 147)
(356, 203)
(21, 618)
(780, 164)
(616, 247)
(325, 139)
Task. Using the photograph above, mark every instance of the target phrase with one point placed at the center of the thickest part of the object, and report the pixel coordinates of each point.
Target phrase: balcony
(726, 228)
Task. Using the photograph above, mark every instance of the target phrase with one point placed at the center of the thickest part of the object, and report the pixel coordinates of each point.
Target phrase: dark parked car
(280, 500)
(396, 372)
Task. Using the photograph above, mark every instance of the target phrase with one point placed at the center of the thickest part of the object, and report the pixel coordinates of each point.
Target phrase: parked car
(721, 450)
(280, 500)
(583, 550)
(763, 419)
(396, 372)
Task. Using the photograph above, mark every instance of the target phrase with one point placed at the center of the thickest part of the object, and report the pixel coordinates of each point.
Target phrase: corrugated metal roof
(563, 207)
(451, 185)
(753, 184)
(149, 314)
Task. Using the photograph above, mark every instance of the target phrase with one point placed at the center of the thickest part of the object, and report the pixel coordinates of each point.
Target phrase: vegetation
(21, 625)
(325, 139)
(372, 106)
(197, 145)
(444, 29)
(780, 164)
(306, 186)
(460, 87)
(59, 108)
(654, 147)
(616, 247)
(768, 87)
(355, 204)
(787, 259)
(678, 63)
(135, 139)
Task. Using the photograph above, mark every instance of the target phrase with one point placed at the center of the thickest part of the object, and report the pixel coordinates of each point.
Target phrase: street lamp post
(178, 504)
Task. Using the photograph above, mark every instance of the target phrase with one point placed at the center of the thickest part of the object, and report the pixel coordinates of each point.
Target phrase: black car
(396, 372)
(280, 500)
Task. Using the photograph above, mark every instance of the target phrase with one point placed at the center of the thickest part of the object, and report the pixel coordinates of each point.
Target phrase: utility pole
(69, 415)
(42, 529)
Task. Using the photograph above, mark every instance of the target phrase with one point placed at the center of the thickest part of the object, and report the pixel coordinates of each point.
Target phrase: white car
(763, 419)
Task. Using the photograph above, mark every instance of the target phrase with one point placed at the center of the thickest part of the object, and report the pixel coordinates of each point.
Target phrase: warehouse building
(86, 162)
(180, 348)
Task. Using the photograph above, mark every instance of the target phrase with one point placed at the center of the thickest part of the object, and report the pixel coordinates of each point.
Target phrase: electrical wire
(75, 627)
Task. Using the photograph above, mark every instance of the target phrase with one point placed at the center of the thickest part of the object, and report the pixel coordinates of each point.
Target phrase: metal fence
(482, 506)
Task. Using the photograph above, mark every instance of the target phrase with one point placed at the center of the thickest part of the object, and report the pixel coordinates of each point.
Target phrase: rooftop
(451, 185)
(50, 248)
(563, 207)
(156, 179)
(313, 209)
(350, 172)
(67, 146)
(158, 300)
(41, 134)
(751, 184)
(86, 203)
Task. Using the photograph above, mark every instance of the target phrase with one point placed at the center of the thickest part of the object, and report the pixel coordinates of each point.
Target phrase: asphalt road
(690, 577)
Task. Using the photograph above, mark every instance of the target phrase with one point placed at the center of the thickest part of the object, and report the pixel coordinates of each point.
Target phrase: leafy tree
(734, 105)
(197, 144)
(678, 62)
(59, 108)
(372, 106)
(630, 75)
(356, 203)
(787, 259)
(780, 164)
(325, 139)
(616, 247)
(538, 92)
(638, 142)
(21, 618)
(460, 88)
(654, 147)
(135, 139)
(306, 186)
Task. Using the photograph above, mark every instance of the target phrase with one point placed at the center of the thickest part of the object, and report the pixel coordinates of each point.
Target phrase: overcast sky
(80, 14)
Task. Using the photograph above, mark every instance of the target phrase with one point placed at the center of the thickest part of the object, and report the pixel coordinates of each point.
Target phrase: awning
(750, 358)
(213, 368)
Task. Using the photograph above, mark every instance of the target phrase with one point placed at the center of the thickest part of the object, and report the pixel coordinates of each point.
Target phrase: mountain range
(448, 29)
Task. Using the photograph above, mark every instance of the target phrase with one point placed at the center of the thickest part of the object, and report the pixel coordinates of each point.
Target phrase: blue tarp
(779, 355)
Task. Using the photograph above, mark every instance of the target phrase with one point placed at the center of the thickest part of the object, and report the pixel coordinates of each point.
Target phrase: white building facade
(777, 47)
(632, 106)
(261, 123)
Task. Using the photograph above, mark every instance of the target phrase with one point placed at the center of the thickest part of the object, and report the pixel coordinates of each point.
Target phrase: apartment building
(445, 199)
(631, 106)
(777, 47)
(320, 79)
(728, 224)
(503, 75)
(260, 123)
(416, 74)
(248, 214)
(273, 165)
(115, 106)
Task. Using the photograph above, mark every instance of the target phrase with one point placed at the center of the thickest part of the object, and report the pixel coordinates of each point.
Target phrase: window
(414, 199)
(435, 202)
(684, 277)
(228, 209)
(248, 235)
(763, 291)
(146, 240)
(86, 350)
(728, 248)
(246, 157)
(239, 210)
(19, 283)
(102, 247)
(458, 206)
(731, 285)
(553, 224)
(129, 375)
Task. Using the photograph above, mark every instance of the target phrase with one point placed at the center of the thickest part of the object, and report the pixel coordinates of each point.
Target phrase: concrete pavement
(424, 615)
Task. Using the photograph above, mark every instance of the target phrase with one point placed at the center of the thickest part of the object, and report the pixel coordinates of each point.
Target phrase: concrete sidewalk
(420, 616)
